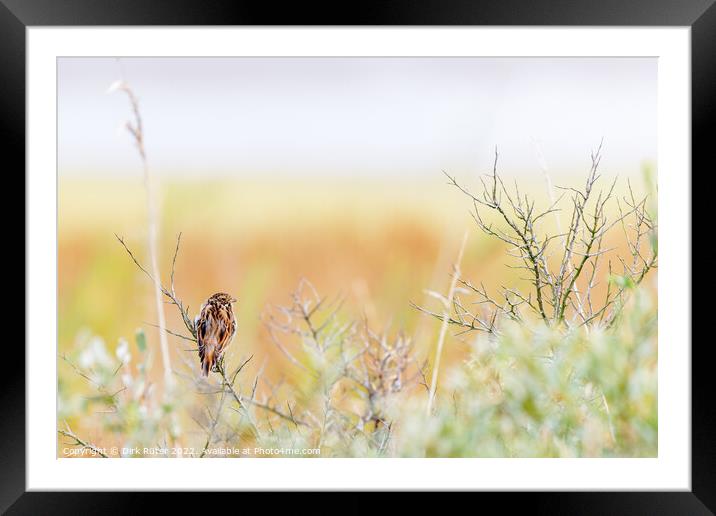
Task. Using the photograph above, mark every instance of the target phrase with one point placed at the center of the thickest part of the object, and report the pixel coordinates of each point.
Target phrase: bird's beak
(233, 300)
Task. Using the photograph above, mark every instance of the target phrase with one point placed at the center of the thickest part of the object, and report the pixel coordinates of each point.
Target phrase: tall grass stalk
(444, 326)
(137, 131)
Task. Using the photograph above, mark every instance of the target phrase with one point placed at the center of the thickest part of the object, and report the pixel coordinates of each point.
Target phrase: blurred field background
(376, 240)
(376, 244)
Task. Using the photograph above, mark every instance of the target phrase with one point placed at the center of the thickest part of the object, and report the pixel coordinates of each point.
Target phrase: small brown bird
(215, 327)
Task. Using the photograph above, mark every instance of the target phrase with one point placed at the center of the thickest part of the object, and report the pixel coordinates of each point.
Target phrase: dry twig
(561, 282)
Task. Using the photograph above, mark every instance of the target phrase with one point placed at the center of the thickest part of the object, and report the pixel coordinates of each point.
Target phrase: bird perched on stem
(215, 327)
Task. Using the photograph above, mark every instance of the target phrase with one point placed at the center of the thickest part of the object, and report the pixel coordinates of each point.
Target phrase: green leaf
(141, 339)
(624, 282)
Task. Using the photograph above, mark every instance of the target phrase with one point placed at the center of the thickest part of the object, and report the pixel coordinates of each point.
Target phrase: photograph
(357, 257)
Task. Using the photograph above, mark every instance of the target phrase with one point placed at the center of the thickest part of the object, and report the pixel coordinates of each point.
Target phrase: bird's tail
(207, 361)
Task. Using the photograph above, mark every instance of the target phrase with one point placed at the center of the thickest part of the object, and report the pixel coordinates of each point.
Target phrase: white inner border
(671, 470)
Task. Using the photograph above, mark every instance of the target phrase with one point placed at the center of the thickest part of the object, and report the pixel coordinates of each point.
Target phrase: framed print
(413, 251)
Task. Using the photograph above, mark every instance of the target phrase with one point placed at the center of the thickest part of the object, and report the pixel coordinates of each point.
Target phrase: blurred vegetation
(538, 392)
(346, 375)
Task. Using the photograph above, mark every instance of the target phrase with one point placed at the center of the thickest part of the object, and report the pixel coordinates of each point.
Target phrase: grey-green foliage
(535, 391)
(118, 396)
(530, 391)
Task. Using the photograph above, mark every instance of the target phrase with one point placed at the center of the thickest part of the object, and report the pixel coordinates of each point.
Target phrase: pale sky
(369, 116)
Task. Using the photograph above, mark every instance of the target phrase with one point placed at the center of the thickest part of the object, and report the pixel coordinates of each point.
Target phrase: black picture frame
(700, 15)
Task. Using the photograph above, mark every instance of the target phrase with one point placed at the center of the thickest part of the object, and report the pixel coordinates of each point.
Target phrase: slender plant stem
(444, 326)
(152, 236)
(81, 442)
(137, 132)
